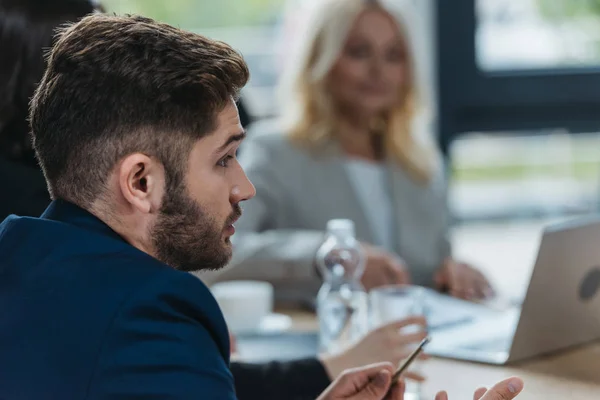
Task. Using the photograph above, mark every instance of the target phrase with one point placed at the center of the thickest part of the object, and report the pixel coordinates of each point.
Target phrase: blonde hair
(309, 116)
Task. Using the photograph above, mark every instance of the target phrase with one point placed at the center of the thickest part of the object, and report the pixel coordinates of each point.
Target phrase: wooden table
(569, 375)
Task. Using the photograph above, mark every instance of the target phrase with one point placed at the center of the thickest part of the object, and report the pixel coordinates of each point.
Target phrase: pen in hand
(408, 361)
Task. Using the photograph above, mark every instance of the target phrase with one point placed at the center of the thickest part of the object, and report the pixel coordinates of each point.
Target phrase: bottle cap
(341, 227)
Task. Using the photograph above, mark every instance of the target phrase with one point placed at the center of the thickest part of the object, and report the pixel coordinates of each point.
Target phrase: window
(527, 174)
(247, 25)
(518, 101)
(201, 14)
(536, 34)
(501, 88)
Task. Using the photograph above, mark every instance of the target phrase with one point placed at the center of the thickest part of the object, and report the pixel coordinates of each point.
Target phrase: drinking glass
(393, 303)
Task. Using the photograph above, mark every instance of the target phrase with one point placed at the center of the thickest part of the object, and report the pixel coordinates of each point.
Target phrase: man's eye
(224, 162)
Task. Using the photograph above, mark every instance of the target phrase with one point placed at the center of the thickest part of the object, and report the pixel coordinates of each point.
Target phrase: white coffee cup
(244, 303)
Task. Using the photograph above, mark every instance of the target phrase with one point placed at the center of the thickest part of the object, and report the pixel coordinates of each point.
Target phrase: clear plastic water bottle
(342, 305)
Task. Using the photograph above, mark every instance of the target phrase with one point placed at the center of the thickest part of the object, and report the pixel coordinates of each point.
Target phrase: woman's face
(372, 69)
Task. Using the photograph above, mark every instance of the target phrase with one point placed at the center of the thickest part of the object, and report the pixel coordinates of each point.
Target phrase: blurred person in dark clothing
(26, 31)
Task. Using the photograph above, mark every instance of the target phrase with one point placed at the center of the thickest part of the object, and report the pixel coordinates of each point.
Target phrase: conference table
(574, 374)
(506, 254)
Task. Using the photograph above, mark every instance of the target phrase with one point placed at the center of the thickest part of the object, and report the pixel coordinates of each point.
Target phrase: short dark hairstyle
(116, 85)
(27, 28)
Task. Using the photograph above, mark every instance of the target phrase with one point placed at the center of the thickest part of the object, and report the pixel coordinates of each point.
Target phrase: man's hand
(366, 383)
(382, 268)
(463, 281)
(505, 390)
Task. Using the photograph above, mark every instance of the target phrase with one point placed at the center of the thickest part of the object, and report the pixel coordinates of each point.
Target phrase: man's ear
(142, 182)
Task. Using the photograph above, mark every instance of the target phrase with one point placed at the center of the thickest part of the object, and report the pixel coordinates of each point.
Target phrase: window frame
(471, 99)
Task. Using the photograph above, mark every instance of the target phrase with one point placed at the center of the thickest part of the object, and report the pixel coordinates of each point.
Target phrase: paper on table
(443, 311)
(497, 326)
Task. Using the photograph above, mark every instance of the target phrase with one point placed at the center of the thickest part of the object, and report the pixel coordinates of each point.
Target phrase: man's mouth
(233, 220)
(229, 228)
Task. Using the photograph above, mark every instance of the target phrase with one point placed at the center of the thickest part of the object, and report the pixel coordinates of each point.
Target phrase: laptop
(561, 308)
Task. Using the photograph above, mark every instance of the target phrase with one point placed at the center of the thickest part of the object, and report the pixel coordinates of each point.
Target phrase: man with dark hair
(114, 93)
(136, 129)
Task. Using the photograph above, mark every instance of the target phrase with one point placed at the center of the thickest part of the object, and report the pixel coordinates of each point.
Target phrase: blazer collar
(64, 211)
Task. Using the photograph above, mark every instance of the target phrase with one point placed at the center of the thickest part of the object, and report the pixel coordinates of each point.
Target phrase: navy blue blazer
(85, 315)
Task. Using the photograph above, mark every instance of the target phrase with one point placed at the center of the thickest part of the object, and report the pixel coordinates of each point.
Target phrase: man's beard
(187, 238)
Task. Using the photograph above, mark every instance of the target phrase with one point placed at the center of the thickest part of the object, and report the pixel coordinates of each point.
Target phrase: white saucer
(271, 323)
(274, 323)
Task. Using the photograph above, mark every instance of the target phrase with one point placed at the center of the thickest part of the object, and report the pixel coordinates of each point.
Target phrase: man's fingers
(377, 386)
(505, 390)
(371, 381)
(396, 391)
(479, 393)
(441, 396)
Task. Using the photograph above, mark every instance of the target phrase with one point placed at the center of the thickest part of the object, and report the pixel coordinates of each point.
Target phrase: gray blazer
(297, 192)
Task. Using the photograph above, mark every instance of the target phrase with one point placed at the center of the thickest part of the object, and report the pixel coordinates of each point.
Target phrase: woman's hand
(463, 281)
(383, 268)
(386, 343)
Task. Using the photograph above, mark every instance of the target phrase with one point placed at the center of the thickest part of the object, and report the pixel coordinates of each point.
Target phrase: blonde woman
(349, 145)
